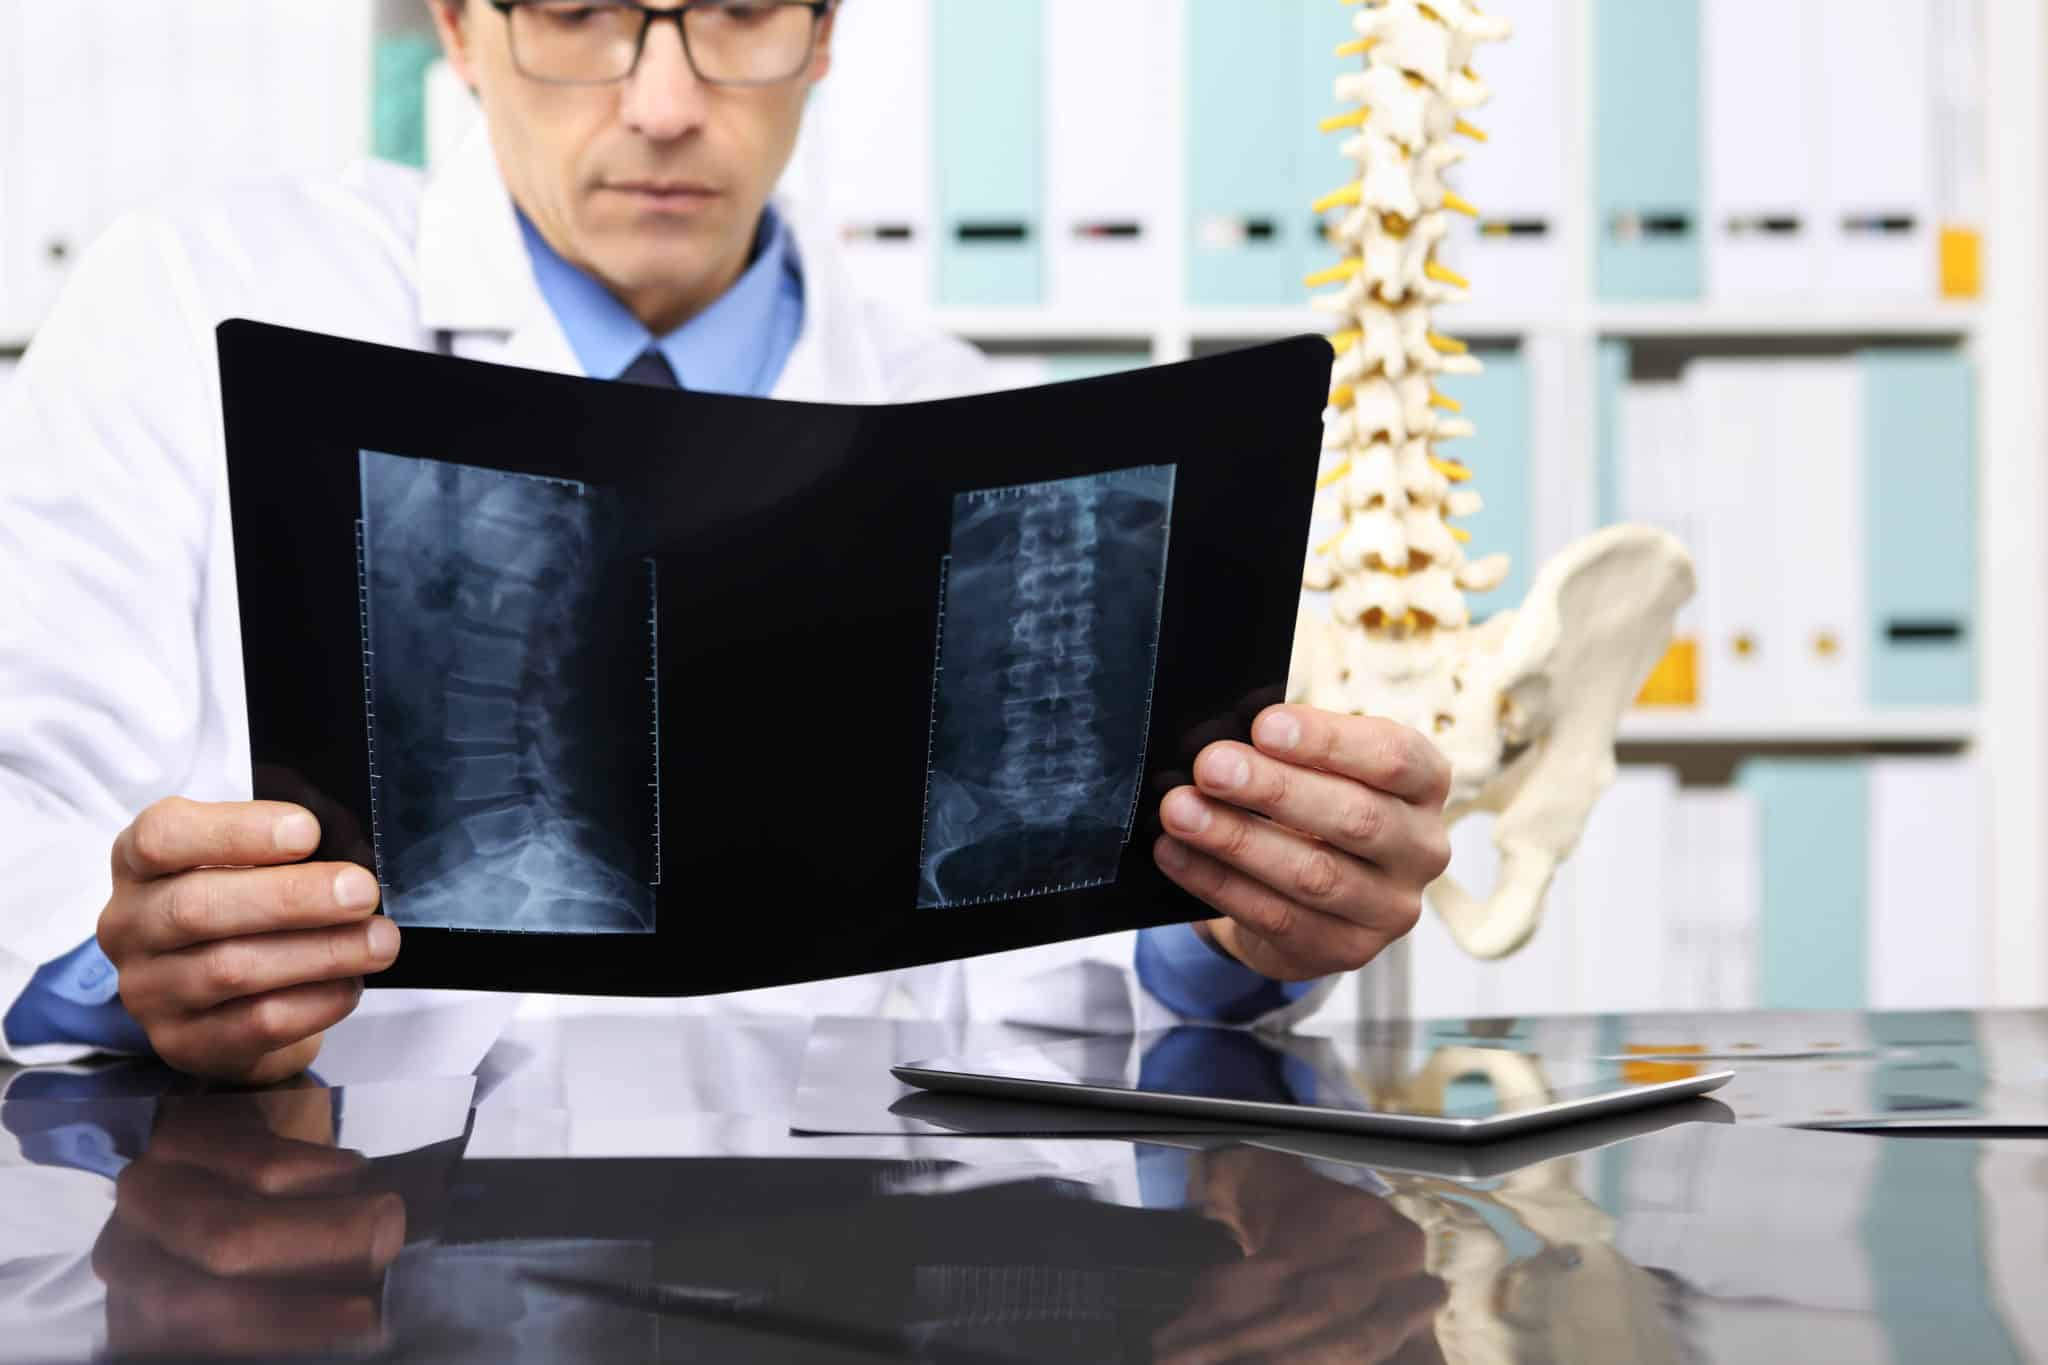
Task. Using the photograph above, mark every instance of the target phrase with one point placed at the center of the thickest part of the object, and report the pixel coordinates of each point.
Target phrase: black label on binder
(1923, 632)
(993, 231)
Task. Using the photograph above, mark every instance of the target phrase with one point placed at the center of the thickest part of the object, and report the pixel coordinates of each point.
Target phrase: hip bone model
(1524, 705)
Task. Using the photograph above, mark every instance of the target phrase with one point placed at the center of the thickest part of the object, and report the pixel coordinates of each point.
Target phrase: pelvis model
(1526, 704)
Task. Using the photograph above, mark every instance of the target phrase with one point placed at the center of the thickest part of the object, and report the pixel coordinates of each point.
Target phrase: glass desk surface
(544, 1210)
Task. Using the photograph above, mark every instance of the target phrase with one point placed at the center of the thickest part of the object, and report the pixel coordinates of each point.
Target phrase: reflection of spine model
(1396, 567)
(1050, 748)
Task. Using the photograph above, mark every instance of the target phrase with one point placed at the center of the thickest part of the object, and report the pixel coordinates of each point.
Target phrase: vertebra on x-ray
(510, 687)
(1048, 638)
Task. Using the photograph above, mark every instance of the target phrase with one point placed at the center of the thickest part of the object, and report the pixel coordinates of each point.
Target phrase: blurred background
(1768, 273)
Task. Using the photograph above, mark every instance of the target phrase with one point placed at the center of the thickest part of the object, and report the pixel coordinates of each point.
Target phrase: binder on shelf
(864, 160)
(1816, 459)
(1758, 60)
(221, 127)
(315, 111)
(988, 138)
(1920, 492)
(137, 151)
(451, 111)
(1741, 524)
(1957, 46)
(1513, 252)
(1496, 401)
(1815, 864)
(1927, 854)
(56, 212)
(1536, 979)
(1109, 77)
(1624, 894)
(1319, 165)
(1029, 369)
(1877, 154)
(1646, 149)
(1656, 482)
(15, 322)
(1249, 227)
(1718, 883)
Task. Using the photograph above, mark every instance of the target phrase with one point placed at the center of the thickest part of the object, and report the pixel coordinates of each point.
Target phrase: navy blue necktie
(651, 368)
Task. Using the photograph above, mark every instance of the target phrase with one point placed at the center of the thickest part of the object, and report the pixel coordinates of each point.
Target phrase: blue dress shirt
(738, 345)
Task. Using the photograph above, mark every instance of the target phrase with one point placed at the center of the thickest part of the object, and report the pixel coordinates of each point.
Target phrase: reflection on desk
(239, 1224)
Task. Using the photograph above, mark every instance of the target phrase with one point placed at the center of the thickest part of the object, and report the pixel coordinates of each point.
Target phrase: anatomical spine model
(1526, 704)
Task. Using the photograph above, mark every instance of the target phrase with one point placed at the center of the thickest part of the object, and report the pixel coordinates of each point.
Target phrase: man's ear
(451, 18)
(821, 56)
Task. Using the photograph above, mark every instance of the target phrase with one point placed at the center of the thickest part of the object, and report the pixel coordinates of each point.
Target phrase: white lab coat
(120, 643)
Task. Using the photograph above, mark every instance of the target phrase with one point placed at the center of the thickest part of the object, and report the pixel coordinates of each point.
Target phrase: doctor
(611, 217)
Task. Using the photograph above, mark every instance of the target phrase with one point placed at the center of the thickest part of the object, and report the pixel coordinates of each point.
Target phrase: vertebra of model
(1525, 706)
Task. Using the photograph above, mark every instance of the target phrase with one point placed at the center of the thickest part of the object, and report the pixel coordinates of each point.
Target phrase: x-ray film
(627, 690)
(508, 646)
(1042, 693)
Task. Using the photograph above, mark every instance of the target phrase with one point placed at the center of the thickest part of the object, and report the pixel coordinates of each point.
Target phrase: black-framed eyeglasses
(727, 42)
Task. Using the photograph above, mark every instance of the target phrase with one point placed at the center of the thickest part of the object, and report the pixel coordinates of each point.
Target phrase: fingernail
(1187, 811)
(294, 832)
(1278, 731)
(354, 889)
(1225, 769)
(1172, 854)
(383, 938)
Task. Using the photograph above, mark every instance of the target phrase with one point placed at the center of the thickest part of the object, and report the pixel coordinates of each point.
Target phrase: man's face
(653, 184)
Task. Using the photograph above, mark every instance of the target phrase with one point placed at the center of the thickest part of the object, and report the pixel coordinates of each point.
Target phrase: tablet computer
(1457, 1094)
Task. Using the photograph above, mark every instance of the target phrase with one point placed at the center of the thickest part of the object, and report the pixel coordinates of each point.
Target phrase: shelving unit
(2005, 335)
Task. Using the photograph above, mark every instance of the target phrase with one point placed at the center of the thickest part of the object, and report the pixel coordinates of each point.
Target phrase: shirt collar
(721, 350)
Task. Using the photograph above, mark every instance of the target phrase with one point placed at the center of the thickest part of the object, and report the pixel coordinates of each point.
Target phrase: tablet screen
(1457, 1082)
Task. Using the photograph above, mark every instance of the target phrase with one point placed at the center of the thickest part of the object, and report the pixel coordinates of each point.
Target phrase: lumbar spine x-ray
(1524, 705)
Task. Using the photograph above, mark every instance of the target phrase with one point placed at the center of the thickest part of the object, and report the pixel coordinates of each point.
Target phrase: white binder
(15, 323)
(1757, 65)
(871, 168)
(221, 132)
(1658, 474)
(1877, 206)
(1111, 74)
(1628, 894)
(57, 211)
(1513, 252)
(1816, 463)
(1929, 933)
(1717, 899)
(1734, 403)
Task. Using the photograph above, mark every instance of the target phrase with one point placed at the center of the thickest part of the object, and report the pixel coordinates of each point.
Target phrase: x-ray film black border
(1245, 429)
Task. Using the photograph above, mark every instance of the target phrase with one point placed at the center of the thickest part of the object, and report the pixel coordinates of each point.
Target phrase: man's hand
(1315, 840)
(244, 1231)
(235, 956)
(1330, 1272)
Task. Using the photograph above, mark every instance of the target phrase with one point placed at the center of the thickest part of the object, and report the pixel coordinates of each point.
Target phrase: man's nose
(664, 99)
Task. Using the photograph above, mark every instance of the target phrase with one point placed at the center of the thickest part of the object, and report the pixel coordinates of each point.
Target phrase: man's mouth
(666, 193)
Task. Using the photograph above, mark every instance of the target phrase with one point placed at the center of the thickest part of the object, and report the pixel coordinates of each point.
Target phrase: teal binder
(988, 148)
(1920, 489)
(1814, 937)
(1611, 366)
(1319, 165)
(1649, 240)
(1497, 402)
(1067, 365)
(1247, 230)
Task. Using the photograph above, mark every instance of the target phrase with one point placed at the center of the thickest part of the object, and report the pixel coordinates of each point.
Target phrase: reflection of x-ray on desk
(1048, 637)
